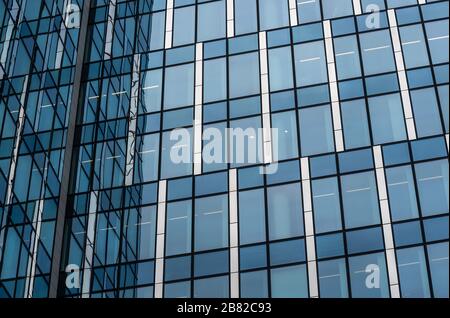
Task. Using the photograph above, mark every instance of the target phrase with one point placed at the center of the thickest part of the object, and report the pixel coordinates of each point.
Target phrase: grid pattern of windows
(358, 93)
(38, 54)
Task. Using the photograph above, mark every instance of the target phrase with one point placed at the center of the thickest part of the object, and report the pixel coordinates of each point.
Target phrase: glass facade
(356, 91)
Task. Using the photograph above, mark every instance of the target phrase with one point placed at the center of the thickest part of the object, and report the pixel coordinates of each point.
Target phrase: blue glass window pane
(250, 177)
(178, 118)
(151, 91)
(364, 240)
(432, 183)
(211, 183)
(438, 262)
(431, 148)
(400, 3)
(180, 55)
(176, 156)
(211, 263)
(376, 50)
(287, 252)
(280, 69)
(316, 130)
(336, 8)
(437, 35)
(412, 271)
(386, 116)
(307, 33)
(177, 268)
(368, 22)
(273, 14)
(214, 152)
(287, 171)
(285, 211)
(368, 276)
(436, 229)
(330, 245)
(146, 166)
(179, 86)
(179, 188)
(308, 11)
(333, 279)
(282, 101)
(310, 63)
(184, 26)
(426, 112)
(355, 160)
(148, 123)
(178, 228)
(245, 15)
(323, 166)
(211, 223)
(246, 145)
(252, 223)
(368, 5)
(381, 84)
(177, 290)
(444, 102)
(360, 200)
(327, 211)
(420, 77)
(355, 124)
(289, 282)
(215, 112)
(407, 233)
(285, 144)
(12, 249)
(215, 80)
(435, 10)
(244, 75)
(245, 107)
(441, 73)
(313, 95)
(214, 49)
(278, 37)
(407, 15)
(347, 57)
(141, 228)
(343, 26)
(396, 154)
(211, 21)
(414, 46)
(243, 44)
(107, 239)
(216, 287)
(402, 193)
(253, 257)
(254, 284)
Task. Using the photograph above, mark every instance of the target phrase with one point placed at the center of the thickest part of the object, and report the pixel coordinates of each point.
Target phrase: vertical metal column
(89, 245)
(198, 121)
(169, 24)
(357, 10)
(264, 70)
(234, 233)
(68, 153)
(230, 18)
(386, 221)
(309, 229)
(335, 105)
(160, 239)
(293, 13)
(406, 100)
